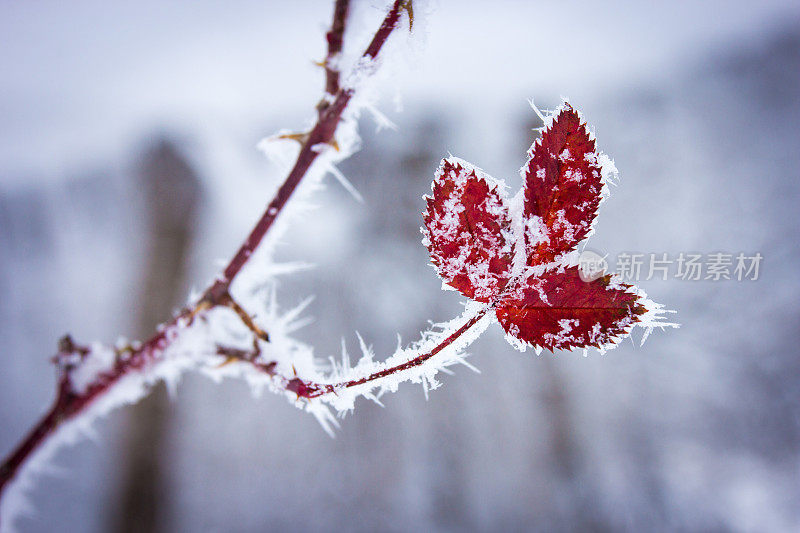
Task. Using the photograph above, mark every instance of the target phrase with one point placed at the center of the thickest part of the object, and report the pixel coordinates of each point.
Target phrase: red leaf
(471, 241)
(467, 231)
(558, 310)
(563, 188)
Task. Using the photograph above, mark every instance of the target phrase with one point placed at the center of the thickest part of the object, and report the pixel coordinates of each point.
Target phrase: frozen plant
(514, 259)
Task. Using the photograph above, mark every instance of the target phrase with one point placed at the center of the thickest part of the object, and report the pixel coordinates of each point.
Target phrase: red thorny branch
(69, 403)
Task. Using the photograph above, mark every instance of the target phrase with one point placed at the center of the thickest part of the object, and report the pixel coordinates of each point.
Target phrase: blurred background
(128, 168)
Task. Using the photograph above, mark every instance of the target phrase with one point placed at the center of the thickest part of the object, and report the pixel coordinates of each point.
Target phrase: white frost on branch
(195, 345)
(189, 348)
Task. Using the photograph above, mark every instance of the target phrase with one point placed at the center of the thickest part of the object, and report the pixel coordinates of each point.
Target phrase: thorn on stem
(302, 138)
(299, 137)
(408, 5)
(69, 353)
(228, 360)
(68, 346)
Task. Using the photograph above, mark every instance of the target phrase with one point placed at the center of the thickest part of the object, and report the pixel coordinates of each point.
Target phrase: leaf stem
(315, 390)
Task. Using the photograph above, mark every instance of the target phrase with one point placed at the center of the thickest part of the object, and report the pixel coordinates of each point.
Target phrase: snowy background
(697, 102)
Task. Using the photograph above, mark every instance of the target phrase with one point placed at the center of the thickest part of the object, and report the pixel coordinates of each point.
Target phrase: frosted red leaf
(563, 185)
(467, 231)
(558, 310)
(541, 301)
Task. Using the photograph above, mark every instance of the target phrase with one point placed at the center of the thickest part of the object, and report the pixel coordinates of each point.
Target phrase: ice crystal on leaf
(542, 301)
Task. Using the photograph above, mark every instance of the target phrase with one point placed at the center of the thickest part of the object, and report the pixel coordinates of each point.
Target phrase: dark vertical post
(171, 193)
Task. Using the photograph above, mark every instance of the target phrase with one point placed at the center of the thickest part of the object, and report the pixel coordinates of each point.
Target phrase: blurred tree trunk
(171, 193)
(576, 499)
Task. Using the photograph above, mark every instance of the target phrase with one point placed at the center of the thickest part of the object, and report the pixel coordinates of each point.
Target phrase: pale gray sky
(88, 77)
